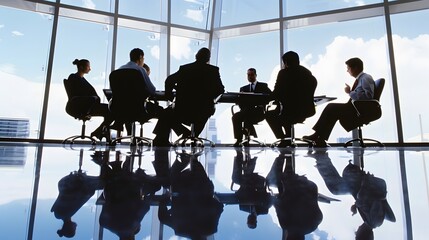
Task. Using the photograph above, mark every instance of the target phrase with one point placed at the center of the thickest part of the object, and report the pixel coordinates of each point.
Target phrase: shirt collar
(357, 77)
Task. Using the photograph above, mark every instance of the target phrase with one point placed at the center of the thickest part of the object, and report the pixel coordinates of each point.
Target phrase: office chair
(249, 130)
(292, 137)
(367, 112)
(79, 107)
(128, 103)
(193, 140)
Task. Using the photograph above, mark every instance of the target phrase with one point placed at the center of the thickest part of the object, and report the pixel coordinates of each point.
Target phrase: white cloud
(1, 26)
(8, 68)
(88, 4)
(180, 48)
(154, 51)
(17, 33)
(195, 15)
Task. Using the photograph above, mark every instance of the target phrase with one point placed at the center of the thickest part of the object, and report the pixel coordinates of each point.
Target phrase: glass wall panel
(149, 9)
(192, 13)
(76, 40)
(236, 55)
(102, 5)
(236, 11)
(411, 49)
(24, 51)
(297, 7)
(336, 43)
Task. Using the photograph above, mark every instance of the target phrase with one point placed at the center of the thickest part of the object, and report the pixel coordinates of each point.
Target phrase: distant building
(14, 127)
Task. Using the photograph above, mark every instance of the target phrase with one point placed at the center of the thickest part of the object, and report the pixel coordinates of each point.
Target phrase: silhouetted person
(368, 191)
(249, 113)
(82, 95)
(362, 89)
(196, 86)
(194, 211)
(252, 194)
(296, 205)
(294, 89)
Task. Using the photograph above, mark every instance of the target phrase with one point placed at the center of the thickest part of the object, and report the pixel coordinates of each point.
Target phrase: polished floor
(84, 192)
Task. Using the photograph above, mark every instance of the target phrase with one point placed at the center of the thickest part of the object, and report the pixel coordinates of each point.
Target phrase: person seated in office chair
(362, 89)
(249, 112)
(190, 105)
(294, 89)
(80, 87)
(152, 108)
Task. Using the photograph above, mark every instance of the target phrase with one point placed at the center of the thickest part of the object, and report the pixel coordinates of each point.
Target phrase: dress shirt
(364, 89)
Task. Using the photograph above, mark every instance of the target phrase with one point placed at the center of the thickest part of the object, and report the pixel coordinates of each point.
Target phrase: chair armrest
(276, 105)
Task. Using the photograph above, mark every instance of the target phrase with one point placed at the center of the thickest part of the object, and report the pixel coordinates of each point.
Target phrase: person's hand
(347, 88)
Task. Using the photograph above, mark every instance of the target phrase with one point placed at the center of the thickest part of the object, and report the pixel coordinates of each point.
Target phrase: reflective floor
(50, 190)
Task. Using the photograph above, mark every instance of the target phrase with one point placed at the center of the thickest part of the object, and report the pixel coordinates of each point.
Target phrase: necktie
(252, 87)
(354, 85)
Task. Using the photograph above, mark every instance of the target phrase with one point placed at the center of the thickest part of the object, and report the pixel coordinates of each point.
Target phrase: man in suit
(249, 113)
(363, 89)
(193, 106)
(294, 89)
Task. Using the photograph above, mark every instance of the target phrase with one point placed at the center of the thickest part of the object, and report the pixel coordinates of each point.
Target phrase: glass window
(23, 65)
(296, 7)
(76, 39)
(411, 49)
(149, 9)
(102, 5)
(191, 13)
(325, 57)
(235, 56)
(236, 11)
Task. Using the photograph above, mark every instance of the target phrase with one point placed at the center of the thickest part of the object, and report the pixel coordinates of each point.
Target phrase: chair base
(246, 142)
(362, 142)
(193, 142)
(134, 140)
(71, 140)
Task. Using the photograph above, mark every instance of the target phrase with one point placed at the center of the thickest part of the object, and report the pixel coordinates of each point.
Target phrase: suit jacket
(197, 75)
(295, 88)
(260, 87)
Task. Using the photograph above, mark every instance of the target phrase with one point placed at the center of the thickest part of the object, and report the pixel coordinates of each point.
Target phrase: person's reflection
(194, 211)
(297, 204)
(368, 191)
(125, 197)
(75, 190)
(252, 194)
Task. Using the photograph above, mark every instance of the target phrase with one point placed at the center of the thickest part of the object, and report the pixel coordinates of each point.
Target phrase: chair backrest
(78, 106)
(379, 86)
(128, 93)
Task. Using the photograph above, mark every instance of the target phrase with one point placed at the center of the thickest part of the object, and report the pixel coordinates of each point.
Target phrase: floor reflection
(213, 193)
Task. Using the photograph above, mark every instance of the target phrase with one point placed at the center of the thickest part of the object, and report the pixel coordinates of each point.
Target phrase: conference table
(234, 97)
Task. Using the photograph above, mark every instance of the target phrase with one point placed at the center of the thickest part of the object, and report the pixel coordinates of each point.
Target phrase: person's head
(290, 59)
(252, 221)
(137, 56)
(364, 232)
(203, 55)
(147, 68)
(354, 66)
(83, 65)
(68, 230)
(251, 75)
